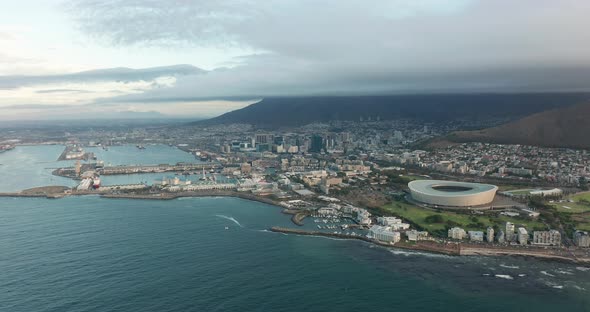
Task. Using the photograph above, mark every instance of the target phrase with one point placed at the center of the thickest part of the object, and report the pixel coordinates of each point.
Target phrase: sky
(62, 59)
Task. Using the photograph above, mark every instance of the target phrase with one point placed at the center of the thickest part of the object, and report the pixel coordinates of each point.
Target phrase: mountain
(562, 127)
(295, 111)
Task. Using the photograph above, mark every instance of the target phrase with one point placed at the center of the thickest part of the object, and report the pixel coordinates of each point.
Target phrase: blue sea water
(31, 166)
(93, 254)
(96, 254)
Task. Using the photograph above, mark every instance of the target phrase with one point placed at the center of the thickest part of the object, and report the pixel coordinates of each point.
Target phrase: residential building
(384, 234)
(523, 236)
(414, 235)
(500, 238)
(490, 234)
(581, 239)
(509, 231)
(456, 233)
(476, 236)
(552, 237)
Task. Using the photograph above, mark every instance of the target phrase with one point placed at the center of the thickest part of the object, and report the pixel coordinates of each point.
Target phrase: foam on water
(417, 253)
(509, 266)
(230, 219)
(546, 273)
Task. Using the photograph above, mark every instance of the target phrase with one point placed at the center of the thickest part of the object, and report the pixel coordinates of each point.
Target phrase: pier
(70, 172)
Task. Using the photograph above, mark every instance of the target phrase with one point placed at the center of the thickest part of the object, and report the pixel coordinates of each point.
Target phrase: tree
(434, 219)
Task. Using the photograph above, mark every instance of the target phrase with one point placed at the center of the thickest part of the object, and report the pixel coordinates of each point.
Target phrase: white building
(395, 223)
(552, 237)
(456, 233)
(414, 235)
(363, 217)
(490, 234)
(384, 234)
(388, 220)
(552, 192)
(476, 236)
(509, 231)
(523, 236)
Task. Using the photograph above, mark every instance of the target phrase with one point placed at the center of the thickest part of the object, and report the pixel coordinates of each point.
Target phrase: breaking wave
(230, 219)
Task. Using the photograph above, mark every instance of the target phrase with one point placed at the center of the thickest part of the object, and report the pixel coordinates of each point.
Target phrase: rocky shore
(452, 248)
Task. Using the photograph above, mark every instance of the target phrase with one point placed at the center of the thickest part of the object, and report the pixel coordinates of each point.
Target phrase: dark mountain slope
(563, 127)
(293, 111)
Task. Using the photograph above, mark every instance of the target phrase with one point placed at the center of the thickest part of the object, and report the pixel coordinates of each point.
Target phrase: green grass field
(418, 215)
(577, 206)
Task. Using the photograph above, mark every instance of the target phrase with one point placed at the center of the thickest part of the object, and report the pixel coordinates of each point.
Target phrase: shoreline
(297, 217)
(450, 249)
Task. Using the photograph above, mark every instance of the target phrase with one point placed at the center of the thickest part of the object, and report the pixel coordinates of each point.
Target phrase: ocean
(216, 254)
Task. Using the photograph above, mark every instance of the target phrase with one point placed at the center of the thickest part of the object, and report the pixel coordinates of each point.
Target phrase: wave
(583, 269)
(509, 266)
(504, 276)
(548, 274)
(230, 219)
(564, 272)
(579, 288)
(417, 253)
(557, 287)
(521, 275)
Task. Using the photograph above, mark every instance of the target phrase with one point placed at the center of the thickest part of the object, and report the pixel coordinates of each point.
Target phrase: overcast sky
(204, 57)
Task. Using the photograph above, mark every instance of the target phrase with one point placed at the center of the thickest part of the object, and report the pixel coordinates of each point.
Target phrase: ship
(95, 183)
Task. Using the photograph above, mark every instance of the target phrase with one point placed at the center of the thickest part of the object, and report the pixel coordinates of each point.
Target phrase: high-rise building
(509, 231)
(500, 237)
(490, 234)
(523, 236)
(317, 143)
(264, 139)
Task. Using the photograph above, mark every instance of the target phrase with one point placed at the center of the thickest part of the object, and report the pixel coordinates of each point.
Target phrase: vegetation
(437, 222)
(580, 204)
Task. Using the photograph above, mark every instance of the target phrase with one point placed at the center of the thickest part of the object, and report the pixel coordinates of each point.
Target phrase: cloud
(120, 74)
(62, 91)
(309, 47)
(350, 47)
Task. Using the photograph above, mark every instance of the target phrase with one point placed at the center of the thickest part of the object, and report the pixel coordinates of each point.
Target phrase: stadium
(452, 193)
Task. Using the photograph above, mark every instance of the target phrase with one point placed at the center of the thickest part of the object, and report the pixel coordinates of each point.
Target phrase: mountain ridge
(298, 111)
(567, 127)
